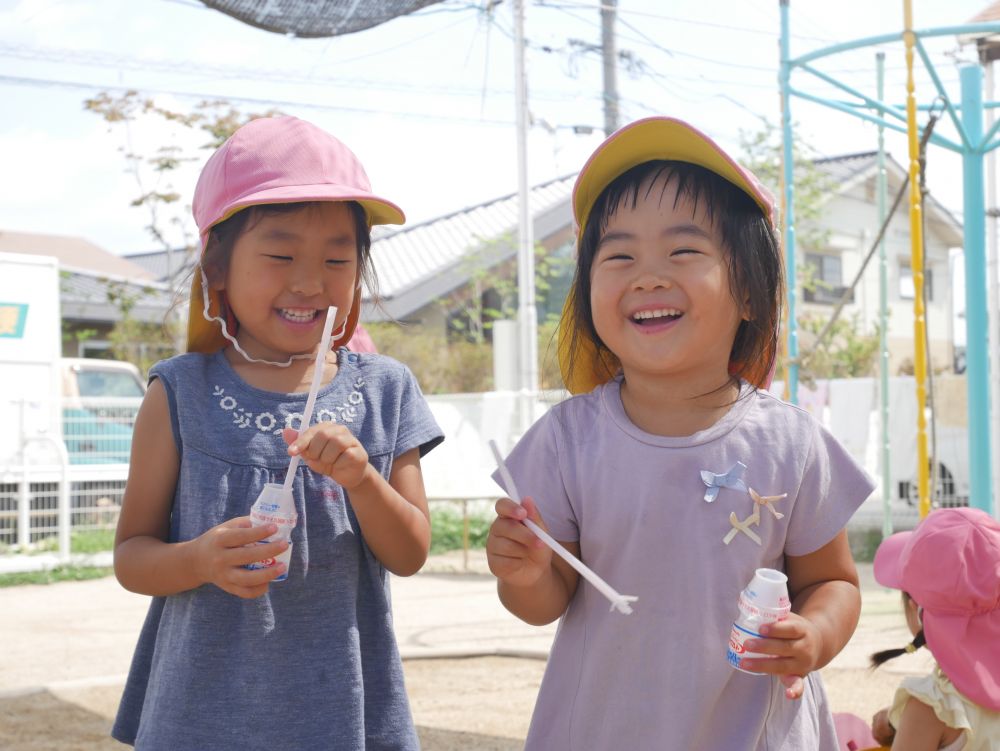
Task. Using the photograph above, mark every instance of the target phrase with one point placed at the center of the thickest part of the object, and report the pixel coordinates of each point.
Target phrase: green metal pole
(883, 319)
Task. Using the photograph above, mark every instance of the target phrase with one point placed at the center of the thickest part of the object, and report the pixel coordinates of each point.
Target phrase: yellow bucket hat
(653, 138)
(267, 161)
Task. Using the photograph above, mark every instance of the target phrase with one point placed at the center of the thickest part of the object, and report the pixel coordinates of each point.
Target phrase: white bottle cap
(768, 589)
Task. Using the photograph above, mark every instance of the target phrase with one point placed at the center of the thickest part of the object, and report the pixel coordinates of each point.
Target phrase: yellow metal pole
(916, 264)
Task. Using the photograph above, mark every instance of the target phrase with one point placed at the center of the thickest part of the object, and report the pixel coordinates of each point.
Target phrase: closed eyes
(329, 261)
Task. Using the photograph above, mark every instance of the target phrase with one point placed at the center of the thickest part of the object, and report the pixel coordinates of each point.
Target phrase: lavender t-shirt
(636, 503)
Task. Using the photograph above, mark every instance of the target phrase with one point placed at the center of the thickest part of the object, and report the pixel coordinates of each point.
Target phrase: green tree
(491, 293)
(762, 154)
(845, 352)
(138, 342)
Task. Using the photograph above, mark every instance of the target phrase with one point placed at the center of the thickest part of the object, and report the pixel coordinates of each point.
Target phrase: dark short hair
(753, 254)
(223, 236)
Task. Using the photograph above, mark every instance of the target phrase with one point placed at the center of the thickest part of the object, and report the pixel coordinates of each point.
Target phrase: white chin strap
(232, 340)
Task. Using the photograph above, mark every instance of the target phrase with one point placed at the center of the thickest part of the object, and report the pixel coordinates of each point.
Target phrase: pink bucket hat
(275, 160)
(950, 566)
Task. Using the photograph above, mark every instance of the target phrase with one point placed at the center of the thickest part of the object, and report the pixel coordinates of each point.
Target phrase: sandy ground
(472, 703)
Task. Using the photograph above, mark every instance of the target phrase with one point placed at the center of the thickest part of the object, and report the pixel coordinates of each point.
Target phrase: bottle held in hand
(275, 505)
(765, 600)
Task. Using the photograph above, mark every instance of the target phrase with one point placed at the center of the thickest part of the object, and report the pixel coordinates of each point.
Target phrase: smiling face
(285, 269)
(660, 292)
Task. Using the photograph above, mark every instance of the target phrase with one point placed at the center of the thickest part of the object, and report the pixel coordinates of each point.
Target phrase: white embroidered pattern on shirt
(267, 422)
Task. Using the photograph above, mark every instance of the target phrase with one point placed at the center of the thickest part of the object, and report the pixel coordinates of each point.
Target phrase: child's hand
(515, 555)
(332, 450)
(882, 729)
(223, 551)
(796, 644)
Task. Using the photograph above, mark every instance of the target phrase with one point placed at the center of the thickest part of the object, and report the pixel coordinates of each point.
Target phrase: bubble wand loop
(324, 347)
(618, 601)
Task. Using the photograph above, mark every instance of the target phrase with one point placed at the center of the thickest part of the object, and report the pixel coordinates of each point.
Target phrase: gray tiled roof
(845, 168)
(416, 264)
(84, 297)
(157, 264)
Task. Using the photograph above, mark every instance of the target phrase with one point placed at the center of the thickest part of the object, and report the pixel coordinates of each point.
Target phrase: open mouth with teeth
(660, 315)
(298, 315)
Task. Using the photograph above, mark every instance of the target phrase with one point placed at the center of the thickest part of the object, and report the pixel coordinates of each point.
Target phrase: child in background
(228, 659)
(673, 476)
(948, 569)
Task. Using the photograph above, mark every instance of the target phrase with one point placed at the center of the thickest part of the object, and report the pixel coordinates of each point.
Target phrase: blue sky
(426, 101)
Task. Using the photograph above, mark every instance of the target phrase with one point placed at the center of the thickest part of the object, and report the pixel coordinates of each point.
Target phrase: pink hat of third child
(275, 160)
(950, 566)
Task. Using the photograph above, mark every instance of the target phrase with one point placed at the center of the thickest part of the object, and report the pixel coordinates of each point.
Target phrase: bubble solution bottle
(765, 600)
(275, 505)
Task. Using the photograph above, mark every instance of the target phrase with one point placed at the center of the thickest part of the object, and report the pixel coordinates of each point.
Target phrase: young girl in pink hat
(948, 570)
(674, 475)
(229, 658)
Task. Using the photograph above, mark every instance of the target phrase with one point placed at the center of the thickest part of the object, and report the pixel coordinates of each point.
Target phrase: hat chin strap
(338, 333)
(232, 340)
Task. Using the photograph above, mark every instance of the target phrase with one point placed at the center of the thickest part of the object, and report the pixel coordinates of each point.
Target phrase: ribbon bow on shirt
(754, 518)
(731, 479)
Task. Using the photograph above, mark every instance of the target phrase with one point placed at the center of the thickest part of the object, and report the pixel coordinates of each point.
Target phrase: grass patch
(84, 541)
(92, 541)
(446, 529)
(446, 534)
(58, 574)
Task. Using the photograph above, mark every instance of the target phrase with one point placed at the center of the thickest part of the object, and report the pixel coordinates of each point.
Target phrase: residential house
(848, 226)
(425, 269)
(418, 266)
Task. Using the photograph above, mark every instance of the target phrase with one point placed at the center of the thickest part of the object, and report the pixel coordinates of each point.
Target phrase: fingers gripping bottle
(275, 505)
(765, 600)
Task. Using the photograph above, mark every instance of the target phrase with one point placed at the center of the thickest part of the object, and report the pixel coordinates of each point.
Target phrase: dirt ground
(480, 703)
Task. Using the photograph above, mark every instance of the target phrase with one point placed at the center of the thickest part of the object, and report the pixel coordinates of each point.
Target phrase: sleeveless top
(980, 726)
(313, 663)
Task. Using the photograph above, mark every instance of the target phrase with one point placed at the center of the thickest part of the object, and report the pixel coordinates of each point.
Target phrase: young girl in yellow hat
(674, 476)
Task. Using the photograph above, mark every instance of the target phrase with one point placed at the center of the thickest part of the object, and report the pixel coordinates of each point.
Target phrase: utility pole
(609, 9)
(527, 314)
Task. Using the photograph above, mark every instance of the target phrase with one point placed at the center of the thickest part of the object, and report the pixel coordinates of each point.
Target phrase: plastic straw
(618, 601)
(324, 347)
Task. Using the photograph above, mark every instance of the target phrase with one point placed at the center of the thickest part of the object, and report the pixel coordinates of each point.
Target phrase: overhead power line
(52, 83)
(238, 73)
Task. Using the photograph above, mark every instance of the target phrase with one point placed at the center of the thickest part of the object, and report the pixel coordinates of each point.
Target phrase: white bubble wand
(324, 347)
(618, 601)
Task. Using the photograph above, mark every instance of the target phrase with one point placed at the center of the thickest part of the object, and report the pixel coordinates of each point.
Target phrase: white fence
(52, 486)
(41, 504)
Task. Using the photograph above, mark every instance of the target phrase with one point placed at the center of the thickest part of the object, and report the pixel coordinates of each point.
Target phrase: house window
(826, 273)
(906, 281)
(825, 269)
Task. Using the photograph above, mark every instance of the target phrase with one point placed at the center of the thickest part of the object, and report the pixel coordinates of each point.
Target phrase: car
(100, 401)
